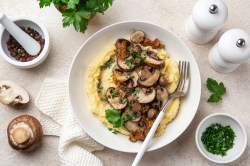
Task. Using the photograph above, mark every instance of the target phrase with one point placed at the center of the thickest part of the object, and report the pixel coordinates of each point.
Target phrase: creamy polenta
(95, 75)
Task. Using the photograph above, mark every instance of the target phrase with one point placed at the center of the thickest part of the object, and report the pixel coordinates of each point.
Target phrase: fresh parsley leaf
(108, 64)
(44, 3)
(78, 12)
(113, 117)
(72, 4)
(218, 90)
(214, 98)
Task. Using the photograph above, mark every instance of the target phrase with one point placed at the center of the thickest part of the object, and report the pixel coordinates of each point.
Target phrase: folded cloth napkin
(57, 119)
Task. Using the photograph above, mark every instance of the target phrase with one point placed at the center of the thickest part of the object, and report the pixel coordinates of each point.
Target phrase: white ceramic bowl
(95, 46)
(240, 141)
(24, 21)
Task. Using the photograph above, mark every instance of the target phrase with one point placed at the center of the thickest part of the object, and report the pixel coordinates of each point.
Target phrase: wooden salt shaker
(207, 18)
(232, 49)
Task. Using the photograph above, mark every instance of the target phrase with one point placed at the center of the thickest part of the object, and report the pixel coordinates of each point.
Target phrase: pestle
(30, 45)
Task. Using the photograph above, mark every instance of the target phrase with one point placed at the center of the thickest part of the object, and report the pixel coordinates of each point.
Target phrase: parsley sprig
(78, 12)
(113, 116)
(218, 90)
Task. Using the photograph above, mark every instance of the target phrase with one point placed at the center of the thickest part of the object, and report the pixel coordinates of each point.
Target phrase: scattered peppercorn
(18, 52)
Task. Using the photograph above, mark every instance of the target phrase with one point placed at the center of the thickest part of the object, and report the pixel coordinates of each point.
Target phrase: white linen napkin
(57, 119)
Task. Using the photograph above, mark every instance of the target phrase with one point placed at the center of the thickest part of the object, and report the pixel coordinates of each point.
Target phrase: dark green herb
(78, 12)
(108, 64)
(115, 94)
(135, 92)
(113, 116)
(99, 86)
(103, 99)
(218, 90)
(131, 62)
(114, 131)
(218, 139)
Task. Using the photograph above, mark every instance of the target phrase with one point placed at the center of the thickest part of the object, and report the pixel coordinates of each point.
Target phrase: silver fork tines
(184, 76)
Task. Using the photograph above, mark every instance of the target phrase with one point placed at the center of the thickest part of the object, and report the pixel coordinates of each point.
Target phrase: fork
(181, 90)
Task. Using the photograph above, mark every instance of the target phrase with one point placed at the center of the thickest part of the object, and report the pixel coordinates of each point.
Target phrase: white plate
(93, 47)
(240, 141)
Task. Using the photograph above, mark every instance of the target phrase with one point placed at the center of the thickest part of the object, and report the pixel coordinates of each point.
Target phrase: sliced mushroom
(118, 76)
(134, 77)
(152, 113)
(115, 97)
(13, 94)
(161, 95)
(122, 47)
(122, 64)
(25, 133)
(146, 95)
(153, 60)
(149, 76)
(163, 81)
(133, 49)
(137, 37)
(133, 126)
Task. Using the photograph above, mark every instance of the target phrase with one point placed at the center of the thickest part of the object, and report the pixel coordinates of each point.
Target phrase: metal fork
(180, 91)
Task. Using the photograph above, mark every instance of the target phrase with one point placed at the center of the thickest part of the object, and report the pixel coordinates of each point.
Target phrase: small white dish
(240, 141)
(96, 46)
(24, 21)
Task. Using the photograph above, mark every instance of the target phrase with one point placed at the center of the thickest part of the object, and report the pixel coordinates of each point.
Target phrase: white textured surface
(65, 43)
(57, 119)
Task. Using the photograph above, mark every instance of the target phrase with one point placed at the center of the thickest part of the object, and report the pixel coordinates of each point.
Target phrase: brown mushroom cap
(137, 37)
(115, 97)
(152, 113)
(25, 133)
(122, 47)
(13, 94)
(149, 76)
(163, 81)
(146, 95)
(133, 126)
(153, 60)
(118, 76)
(122, 64)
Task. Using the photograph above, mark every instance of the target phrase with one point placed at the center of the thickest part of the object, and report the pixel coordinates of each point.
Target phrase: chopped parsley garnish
(108, 64)
(114, 131)
(131, 62)
(115, 94)
(218, 139)
(99, 86)
(135, 92)
(103, 99)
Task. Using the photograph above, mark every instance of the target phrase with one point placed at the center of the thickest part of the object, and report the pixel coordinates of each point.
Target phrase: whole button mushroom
(25, 133)
(13, 94)
(137, 37)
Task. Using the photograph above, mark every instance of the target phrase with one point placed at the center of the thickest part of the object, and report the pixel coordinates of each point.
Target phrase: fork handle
(150, 134)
